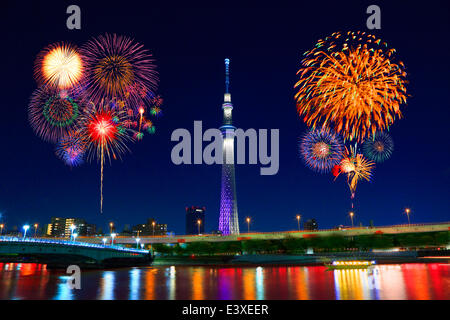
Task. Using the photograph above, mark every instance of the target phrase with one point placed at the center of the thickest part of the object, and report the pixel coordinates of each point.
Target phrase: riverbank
(304, 259)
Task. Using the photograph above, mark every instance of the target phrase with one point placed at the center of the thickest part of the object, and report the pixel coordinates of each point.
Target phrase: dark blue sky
(265, 44)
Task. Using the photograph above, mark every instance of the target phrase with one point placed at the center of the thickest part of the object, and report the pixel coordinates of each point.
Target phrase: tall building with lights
(228, 220)
(195, 220)
(60, 227)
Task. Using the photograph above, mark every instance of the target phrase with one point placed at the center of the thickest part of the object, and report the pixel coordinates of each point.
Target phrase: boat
(349, 264)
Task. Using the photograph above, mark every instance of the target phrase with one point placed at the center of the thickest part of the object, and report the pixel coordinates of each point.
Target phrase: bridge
(61, 253)
(347, 232)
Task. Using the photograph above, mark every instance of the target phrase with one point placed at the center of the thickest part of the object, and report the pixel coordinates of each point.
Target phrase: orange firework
(357, 168)
(59, 66)
(350, 83)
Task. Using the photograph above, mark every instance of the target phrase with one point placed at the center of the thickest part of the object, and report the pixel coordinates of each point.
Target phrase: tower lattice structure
(228, 221)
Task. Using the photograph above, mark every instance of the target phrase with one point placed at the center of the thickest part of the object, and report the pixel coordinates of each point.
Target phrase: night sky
(265, 44)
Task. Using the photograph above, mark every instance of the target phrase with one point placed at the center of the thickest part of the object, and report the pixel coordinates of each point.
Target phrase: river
(400, 281)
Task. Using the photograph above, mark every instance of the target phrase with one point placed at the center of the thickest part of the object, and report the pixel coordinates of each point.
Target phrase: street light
(248, 224)
(199, 222)
(113, 235)
(104, 241)
(137, 242)
(153, 225)
(407, 211)
(298, 221)
(25, 228)
(351, 216)
(111, 225)
(1, 228)
(35, 229)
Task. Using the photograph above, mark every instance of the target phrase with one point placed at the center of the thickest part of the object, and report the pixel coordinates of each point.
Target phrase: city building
(193, 216)
(311, 224)
(61, 227)
(151, 228)
(228, 220)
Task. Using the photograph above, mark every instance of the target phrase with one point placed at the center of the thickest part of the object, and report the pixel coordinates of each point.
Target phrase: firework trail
(104, 130)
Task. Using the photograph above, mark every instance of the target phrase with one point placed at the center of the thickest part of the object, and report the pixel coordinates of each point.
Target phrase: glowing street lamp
(104, 241)
(35, 229)
(248, 224)
(351, 216)
(153, 225)
(298, 221)
(1, 228)
(113, 235)
(199, 222)
(407, 211)
(137, 242)
(25, 228)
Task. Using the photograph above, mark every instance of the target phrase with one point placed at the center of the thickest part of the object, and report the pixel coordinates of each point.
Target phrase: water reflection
(135, 283)
(64, 292)
(409, 281)
(107, 286)
(171, 282)
(198, 278)
(259, 283)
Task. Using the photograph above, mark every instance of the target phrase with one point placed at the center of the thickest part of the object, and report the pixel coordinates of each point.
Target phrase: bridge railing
(69, 243)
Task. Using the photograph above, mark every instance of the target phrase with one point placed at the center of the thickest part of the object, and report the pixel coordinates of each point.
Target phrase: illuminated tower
(228, 221)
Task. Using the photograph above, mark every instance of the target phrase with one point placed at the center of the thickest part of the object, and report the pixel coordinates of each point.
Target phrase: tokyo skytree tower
(228, 221)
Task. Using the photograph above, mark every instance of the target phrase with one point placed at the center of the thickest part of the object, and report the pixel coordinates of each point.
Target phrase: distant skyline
(265, 45)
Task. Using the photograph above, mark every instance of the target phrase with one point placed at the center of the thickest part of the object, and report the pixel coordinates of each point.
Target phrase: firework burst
(106, 135)
(118, 67)
(71, 149)
(379, 148)
(352, 84)
(53, 113)
(321, 150)
(356, 167)
(59, 66)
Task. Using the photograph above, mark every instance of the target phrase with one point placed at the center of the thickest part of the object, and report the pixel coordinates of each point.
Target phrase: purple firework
(71, 149)
(321, 150)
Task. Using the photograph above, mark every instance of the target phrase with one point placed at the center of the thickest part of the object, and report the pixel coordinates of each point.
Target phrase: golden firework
(350, 83)
(357, 168)
(60, 66)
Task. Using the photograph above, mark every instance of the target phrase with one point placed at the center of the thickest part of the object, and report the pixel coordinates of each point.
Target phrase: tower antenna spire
(227, 75)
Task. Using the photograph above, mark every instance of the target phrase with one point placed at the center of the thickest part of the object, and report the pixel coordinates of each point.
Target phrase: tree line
(291, 245)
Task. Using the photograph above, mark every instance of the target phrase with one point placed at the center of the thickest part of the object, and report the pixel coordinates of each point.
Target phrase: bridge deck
(432, 227)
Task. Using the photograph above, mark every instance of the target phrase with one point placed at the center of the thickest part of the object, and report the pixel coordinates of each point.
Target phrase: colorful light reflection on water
(387, 282)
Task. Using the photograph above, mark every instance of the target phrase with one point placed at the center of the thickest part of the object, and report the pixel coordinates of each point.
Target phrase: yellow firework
(357, 168)
(350, 83)
(60, 66)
